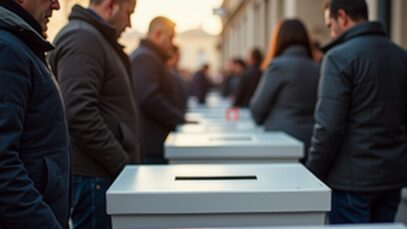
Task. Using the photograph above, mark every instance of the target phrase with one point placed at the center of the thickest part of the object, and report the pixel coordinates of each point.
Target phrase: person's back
(286, 95)
(153, 88)
(359, 145)
(376, 118)
(34, 146)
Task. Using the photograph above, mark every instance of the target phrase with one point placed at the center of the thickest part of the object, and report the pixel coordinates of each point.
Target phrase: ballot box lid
(194, 189)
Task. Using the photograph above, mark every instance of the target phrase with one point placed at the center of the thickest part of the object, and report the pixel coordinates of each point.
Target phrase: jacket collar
(108, 32)
(367, 28)
(20, 23)
(150, 45)
(295, 50)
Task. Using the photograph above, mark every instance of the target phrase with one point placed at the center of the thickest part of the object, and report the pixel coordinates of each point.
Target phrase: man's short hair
(355, 9)
(160, 22)
(98, 2)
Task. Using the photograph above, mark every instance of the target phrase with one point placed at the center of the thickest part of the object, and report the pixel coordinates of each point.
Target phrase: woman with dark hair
(286, 95)
(249, 79)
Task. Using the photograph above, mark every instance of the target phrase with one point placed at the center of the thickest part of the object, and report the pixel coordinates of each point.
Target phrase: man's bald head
(161, 32)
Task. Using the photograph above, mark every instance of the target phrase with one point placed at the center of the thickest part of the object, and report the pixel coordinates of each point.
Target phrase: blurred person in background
(154, 89)
(286, 95)
(249, 79)
(34, 144)
(201, 84)
(180, 85)
(104, 123)
(230, 83)
(359, 145)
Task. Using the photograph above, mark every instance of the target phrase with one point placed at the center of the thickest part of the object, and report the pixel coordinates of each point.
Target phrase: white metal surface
(216, 195)
(258, 147)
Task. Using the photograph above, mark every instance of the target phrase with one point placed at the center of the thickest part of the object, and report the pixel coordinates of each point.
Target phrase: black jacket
(200, 86)
(34, 145)
(247, 86)
(93, 73)
(360, 135)
(153, 88)
(286, 95)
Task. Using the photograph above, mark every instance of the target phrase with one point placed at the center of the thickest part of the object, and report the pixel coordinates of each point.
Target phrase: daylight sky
(187, 14)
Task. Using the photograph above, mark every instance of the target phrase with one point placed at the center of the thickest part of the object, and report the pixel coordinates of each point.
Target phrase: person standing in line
(94, 75)
(153, 88)
(286, 95)
(249, 80)
(180, 85)
(34, 144)
(359, 145)
(201, 84)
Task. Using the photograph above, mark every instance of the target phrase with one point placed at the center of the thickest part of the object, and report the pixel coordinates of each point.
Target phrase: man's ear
(343, 18)
(110, 6)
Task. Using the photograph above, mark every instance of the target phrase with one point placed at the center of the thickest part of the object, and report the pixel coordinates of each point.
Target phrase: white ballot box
(402, 211)
(219, 127)
(350, 226)
(255, 147)
(179, 196)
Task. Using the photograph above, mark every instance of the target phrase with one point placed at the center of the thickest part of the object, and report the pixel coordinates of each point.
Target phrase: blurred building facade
(248, 23)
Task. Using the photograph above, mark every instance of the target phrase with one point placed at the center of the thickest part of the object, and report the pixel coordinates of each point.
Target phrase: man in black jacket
(94, 75)
(359, 144)
(34, 145)
(153, 88)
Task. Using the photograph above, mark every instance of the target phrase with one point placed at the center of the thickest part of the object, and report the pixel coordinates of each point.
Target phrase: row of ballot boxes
(224, 171)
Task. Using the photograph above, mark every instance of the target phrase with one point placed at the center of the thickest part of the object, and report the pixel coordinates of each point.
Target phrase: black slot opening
(216, 178)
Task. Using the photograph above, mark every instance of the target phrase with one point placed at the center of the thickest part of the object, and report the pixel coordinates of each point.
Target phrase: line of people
(107, 109)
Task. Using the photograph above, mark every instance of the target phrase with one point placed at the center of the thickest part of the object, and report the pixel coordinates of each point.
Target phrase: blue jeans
(89, 203)
(364, 207)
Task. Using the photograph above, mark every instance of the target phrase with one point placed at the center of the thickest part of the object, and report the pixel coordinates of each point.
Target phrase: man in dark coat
(359, 144)
(94, 75)
(34, 144)
(201, 84)
(153, 88)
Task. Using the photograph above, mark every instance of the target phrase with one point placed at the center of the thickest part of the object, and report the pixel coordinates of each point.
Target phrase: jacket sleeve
(80, 70)
(147, 76)
(330, 116)
(21, 205)
(266, 93)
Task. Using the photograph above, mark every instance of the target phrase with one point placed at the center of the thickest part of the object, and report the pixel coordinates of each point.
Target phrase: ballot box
(350, 226)
(219, 113)
(254, 147)
(219, 127)
(402, 211)
(179, 196)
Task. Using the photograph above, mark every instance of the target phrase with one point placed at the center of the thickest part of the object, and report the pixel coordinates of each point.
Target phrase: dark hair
(239, 61)
(287, 33)
(355, 9)
(257, 56)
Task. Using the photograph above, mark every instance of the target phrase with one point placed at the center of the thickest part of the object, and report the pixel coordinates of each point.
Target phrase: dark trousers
(89, 203)
(364, 207)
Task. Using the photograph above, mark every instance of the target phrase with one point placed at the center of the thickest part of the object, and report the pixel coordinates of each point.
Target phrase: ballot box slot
(217, 178)
(230, 138)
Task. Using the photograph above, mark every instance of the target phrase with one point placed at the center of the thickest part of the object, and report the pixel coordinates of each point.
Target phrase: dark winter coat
(93, 73)
(360, 135)
(154, 90)
(34, 145)
(286, 95)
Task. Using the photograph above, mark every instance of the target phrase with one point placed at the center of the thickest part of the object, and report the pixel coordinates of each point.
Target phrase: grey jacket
(154, 90)
(286, 95)
(360, 135)
(93, 73)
